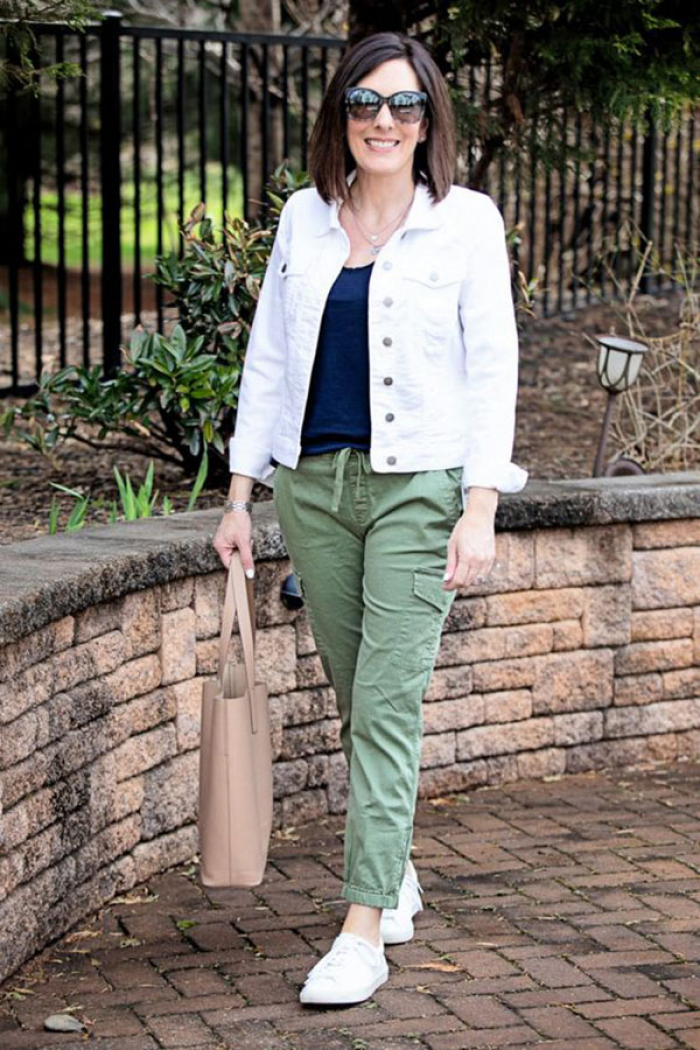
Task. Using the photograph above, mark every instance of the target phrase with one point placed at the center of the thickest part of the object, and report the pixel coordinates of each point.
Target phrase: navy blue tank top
(337, 410)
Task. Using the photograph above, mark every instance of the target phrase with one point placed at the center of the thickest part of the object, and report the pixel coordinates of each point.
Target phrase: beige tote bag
(235, 756)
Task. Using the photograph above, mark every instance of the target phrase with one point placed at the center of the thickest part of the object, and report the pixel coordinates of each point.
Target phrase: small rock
(63, 1023)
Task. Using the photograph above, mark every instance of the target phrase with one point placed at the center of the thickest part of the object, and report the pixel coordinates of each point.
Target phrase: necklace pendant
(373, 236)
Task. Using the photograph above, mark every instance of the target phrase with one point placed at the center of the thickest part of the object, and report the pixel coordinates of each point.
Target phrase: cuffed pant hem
(377, 900)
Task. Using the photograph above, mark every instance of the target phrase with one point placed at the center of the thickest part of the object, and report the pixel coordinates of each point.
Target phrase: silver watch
(238, 504)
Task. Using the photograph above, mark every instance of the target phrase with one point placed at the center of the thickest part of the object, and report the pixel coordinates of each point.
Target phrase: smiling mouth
(382, 144)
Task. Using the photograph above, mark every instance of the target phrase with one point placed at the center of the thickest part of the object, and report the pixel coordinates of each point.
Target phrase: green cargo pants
(369, 551)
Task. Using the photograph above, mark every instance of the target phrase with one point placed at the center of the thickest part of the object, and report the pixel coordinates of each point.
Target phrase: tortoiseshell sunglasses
(363, 103)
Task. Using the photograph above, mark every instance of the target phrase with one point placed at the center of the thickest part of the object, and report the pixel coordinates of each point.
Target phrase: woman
(380, 381)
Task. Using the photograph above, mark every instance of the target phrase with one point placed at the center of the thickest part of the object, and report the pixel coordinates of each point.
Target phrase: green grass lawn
(149, 215)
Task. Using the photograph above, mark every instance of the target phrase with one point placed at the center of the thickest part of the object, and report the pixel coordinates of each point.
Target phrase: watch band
(238, 504)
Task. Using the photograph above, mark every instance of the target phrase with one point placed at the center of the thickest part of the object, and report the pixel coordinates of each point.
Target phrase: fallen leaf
(443, 967)
(78, 934)
(132, 898)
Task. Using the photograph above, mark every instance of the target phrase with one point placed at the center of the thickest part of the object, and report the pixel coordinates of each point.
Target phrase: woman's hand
(471, 549)
(235, 532)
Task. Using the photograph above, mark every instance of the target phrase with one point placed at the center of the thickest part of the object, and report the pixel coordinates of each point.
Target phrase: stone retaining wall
(581, 651)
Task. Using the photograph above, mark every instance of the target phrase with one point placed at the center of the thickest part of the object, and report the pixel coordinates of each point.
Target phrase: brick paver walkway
(560, 914)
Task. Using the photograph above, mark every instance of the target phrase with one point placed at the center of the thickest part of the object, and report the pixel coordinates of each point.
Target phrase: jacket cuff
(508, 478)
(242, 462)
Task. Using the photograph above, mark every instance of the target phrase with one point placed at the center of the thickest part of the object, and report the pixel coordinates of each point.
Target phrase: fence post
(110, 175)
(647, 216)
(12, 220)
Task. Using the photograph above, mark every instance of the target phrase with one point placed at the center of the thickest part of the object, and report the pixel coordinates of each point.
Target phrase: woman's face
(395, 75)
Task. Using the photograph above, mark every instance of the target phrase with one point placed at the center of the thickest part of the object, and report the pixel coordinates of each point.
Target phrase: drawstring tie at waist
(340, 459)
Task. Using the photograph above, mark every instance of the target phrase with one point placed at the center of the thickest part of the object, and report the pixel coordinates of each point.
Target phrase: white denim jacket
(442, 341)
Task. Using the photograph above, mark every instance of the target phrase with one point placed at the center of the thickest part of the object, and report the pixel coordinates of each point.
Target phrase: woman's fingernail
(250, 573)
(446, 576)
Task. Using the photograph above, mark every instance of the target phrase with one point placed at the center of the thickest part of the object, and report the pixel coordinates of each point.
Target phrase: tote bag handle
(239, 598)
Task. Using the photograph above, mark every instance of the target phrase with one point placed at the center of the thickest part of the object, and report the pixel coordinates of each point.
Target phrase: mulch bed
(560, 409)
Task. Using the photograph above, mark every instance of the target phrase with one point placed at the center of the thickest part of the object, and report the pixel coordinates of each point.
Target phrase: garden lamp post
(619, 361)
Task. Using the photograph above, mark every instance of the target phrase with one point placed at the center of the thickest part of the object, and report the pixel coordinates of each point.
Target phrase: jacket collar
(422, 215)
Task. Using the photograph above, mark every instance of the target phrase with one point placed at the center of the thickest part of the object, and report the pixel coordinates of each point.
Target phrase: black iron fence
(101, 170)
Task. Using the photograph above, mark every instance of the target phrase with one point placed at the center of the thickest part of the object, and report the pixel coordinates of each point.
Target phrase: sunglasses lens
(407, 107)
(362, 104)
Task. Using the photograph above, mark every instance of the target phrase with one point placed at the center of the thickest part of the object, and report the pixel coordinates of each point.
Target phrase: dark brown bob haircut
(330, 159)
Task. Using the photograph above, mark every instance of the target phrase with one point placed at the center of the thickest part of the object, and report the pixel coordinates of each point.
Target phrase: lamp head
(619, 361)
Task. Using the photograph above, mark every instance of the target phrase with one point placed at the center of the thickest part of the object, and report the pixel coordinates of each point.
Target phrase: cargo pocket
(427, 586)
(421, 630)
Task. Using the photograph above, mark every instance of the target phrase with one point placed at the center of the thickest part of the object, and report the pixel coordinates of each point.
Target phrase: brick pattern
(582, 652)
(560, 915)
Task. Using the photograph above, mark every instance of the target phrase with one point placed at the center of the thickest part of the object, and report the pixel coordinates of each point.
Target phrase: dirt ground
(560, 409)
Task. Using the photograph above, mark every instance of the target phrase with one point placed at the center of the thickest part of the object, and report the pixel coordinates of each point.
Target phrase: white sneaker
(348, 973)
(396, 925)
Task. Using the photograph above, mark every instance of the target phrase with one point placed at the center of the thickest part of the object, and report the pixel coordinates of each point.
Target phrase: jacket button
(386, 265)
(388, 301)
(434, 276)
(389, 416)
(391, 460)
(388, 380)
(387, 340)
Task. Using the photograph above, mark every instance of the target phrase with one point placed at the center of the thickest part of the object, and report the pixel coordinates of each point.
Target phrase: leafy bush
(176, 393)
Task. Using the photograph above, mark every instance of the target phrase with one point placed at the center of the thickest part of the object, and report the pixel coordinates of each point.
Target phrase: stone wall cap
(46, 578)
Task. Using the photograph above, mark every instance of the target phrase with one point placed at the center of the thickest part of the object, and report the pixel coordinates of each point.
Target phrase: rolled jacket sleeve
(490, 339)
(261, 386)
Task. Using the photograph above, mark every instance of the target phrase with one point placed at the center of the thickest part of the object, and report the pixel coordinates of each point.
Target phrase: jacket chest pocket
(294, 276)
(432, 299)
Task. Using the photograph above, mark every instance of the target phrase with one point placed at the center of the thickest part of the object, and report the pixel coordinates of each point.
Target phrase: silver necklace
(371, 238)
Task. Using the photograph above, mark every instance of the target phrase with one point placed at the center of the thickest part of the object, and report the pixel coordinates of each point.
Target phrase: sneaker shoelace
(336, 957)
